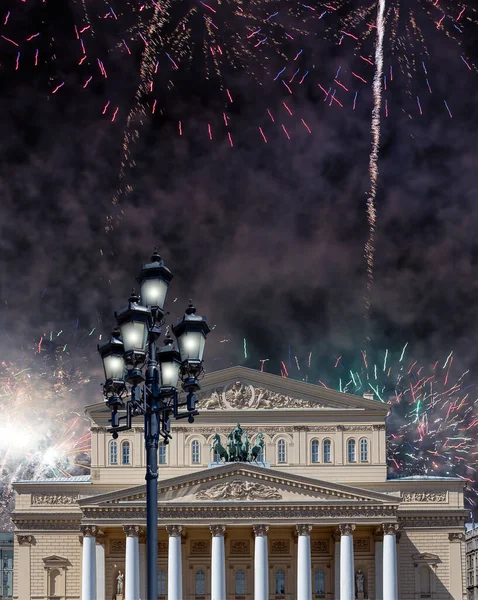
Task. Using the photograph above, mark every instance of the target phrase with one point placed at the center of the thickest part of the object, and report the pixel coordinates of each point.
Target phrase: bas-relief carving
(319, 546)
(239, 490)
(426, 496)
(362, 544)
(47, 499)
(241, 396)
(240, 547)
(200, 547)
(280, 547)
(117, 546)
(162, 547)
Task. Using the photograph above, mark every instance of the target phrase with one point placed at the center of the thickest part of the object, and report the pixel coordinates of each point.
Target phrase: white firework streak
(373, 161)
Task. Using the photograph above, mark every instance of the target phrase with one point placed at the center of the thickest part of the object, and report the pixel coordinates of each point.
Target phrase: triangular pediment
(243, 483)
(242, 389)
(55, 560)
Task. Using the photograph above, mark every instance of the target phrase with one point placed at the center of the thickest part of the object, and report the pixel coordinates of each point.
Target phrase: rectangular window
(162, 454)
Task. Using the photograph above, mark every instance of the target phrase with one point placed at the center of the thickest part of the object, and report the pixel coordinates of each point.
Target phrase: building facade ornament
(132, 530)
(200, 547)
(101, 537)
(25, 540)
(390, 528)
(239, 489)
(260, 529)
(243, 396)
(217, 530)
(118, 546)
(174, 530)
(456, 537)
(142, 536)
(319, 546)
(280, 547)
(346, 528)
(89, 530)
(426, 496)
(362, 544)
(303, 529)
(66, 498)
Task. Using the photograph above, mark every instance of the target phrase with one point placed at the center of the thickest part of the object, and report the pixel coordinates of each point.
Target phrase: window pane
(281, 451)
(162, 454)
(327, 451)
(162, 583)
(196, 457)
(113, 453)
(351, 451)
(319, 581)
(425, 580)
(240, 582)
(280, 582)
(363, 450)
(315, 451)
(126, 447)
(200, 583)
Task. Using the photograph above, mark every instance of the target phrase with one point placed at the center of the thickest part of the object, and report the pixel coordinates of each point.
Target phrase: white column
(390, 585)
(304, 567)
(347, 583)
(100, 566)
(261, 564)
(131, 574)
(142, 566)
(175, 571)
(218, 563)
(378, 536)
(88, 575)
(336, 536)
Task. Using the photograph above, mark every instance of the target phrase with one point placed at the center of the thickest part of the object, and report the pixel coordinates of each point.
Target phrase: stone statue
(120, 584)
(359, 581)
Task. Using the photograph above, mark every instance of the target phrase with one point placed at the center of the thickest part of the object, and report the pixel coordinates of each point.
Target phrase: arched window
(195, 452)
(54, 582)
(351, 457)
(327, 453)
(125, 448)
(240, 582)
(319, 581)
(162, 453)
(281, 451)
(161, 583)
(280, 582)
(200, 583)
(315, 451)
(113, 452)
(425, 581)
(363, 450)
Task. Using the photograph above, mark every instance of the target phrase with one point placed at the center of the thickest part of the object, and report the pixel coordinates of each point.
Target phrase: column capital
(346, 528)
(142, 536)
(260, 530)
(218, 530)
(89, 530)
(131, 530)
(303, 529)
(25, 540)
(336, 535)
(456, 537)
(101, 537)
(378, 534)
(390, 528)
(174, 530)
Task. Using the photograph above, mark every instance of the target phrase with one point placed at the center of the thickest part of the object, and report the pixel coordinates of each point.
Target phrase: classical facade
(472, 563)
(312, 516)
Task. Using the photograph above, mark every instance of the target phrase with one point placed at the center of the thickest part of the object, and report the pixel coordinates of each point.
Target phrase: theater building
(314, 517)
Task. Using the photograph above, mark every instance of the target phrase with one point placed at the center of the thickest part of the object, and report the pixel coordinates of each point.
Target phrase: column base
(119, 597)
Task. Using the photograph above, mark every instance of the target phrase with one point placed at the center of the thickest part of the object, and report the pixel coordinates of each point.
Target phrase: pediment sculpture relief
(243, 396)
(239, 490)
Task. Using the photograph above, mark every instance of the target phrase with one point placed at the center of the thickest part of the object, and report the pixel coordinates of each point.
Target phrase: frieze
(46, 499)
(240, 547)
(432, 522)
(280, 547)
(358, 428)
(319, 546)
(242, 396)
(48, 525)
(200, 547)
(118, 546)
(362, 544)
(426, 496)
(239, 490)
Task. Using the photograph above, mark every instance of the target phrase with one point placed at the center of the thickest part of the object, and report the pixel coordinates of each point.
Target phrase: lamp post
(142, 379)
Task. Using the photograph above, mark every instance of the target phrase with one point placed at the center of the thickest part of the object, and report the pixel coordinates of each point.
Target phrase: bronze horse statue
(258, 449)
(218, 449)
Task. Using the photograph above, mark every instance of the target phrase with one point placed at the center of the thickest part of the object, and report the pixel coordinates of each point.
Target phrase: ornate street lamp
(143, 380)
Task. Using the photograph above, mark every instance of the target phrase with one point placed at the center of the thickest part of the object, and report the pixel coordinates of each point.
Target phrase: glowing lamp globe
(134, 322)
(169, 363)
(112, 355)
(191, 333)
(154, 280)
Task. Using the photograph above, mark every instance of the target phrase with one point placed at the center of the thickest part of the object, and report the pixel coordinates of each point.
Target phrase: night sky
(267, 239)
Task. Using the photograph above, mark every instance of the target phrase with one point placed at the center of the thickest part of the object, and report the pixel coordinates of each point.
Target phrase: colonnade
(386, 584)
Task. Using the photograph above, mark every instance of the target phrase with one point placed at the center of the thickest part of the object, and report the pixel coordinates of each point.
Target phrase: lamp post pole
(153, 394)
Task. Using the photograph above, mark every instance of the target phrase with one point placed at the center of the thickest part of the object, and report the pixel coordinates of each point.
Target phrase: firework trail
(374, 155)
